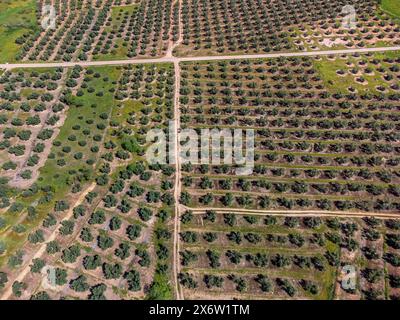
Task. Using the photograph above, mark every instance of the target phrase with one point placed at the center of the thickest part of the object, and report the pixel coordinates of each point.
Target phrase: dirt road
(288, 213)
(177, 188)
(172, 59)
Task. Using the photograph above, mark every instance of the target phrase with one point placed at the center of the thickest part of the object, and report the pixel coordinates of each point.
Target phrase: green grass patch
(391, 6)
(117, 15)
(17, 18)
(160, 289)
(328, 70)
(59, 177)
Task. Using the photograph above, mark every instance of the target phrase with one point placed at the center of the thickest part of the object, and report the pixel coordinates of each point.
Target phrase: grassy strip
(391, 7)
(16, 19)
(58, 178)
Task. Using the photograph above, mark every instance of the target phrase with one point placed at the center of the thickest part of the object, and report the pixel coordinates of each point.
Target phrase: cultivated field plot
(94, 29)
(317, 145)
(226, 256)
(17, 17)
(371, 28)
(86, 214)
(30, 117)
(259, 26)
(121, 29)
(362, 74)
(98, 214)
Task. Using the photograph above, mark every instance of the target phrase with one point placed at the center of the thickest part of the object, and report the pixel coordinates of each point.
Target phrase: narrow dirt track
(177, 187)
(288, 213)
(172, 59)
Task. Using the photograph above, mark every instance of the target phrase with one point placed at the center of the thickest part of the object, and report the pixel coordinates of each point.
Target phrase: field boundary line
(166, 59)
